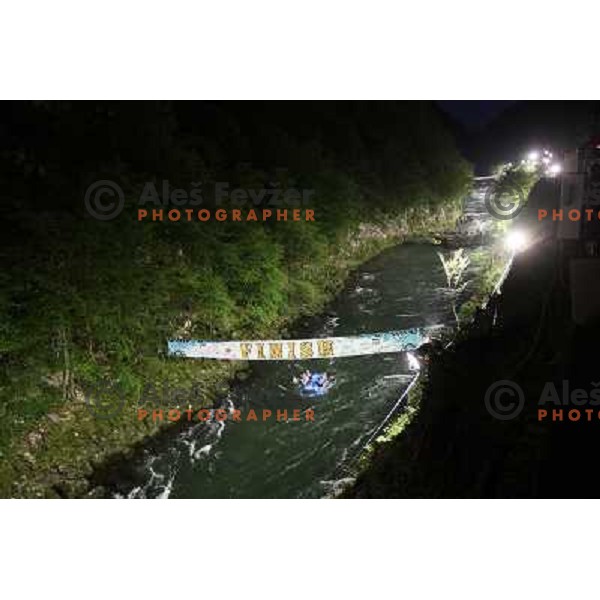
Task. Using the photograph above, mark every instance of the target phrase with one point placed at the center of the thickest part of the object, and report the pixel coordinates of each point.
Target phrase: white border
(466, 49)
(298, 549)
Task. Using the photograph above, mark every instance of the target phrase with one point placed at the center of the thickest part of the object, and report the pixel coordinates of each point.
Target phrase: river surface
(401, 288)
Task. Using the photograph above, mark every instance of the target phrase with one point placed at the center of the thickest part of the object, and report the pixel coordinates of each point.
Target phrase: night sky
(474, 113)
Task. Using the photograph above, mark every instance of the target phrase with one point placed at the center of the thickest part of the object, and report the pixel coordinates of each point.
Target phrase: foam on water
(401, 288)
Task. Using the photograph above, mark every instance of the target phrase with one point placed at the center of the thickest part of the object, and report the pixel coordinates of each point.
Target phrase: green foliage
(84, 300)
(454, 266)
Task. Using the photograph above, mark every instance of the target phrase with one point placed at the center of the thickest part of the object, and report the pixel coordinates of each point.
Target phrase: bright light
(413, 363)
(555, 169)
(546, 160)
(533, 156)
(515, 241)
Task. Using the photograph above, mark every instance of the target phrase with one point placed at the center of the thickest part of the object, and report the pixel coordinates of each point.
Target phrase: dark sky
(474, 113)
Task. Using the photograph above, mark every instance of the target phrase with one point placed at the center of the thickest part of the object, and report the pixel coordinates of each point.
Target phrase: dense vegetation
(84, 301)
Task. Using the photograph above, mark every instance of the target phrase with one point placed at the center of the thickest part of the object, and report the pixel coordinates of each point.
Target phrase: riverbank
(90, 294)
(56, 457)
(459, 440)
(454, 446)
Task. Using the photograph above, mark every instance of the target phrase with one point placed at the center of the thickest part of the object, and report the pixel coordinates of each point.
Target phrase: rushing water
(401, 288)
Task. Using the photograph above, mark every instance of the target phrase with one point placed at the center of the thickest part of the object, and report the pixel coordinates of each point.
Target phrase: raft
(313, 389)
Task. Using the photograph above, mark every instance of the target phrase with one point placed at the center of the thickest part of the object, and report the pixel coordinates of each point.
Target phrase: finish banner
(331, 347)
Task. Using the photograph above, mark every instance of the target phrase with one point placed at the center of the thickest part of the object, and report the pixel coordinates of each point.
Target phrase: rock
(29, 458)
(54, 380)
(54, 417)
(33, 439)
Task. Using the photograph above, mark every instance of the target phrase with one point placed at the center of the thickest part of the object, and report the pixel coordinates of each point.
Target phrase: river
(401, 288)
